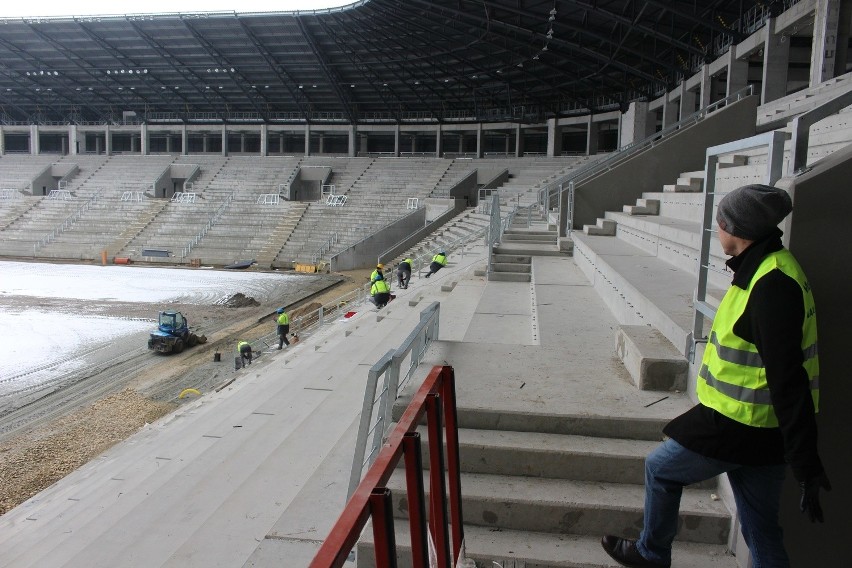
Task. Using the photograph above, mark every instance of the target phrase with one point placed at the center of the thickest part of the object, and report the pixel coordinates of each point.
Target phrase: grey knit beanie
(752, 211)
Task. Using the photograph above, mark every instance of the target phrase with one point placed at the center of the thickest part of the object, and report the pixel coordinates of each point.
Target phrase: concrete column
(264, 140)
(281, 143)
(670, 110)
(519, 141)
(322, 144)
(479, 140)
(591, 137)
(554, 137)
(396, 141)
(98, 148)
(224, 140)
(168, 142)
(108, 140)
(776, 58)
(634, 123)
(242, 142)
(307, 139)
(824, 47)
(353, 134)
(184, 140)
(35, 146)
(687, 102)
(134, 147)
(461, 142)
(706, 87)
(506, 147)
(63, 142)
(438, 140)
(413, 142)
(3, 140)
(72, 141)
(143, 139)
(205, 142)
(737, 74)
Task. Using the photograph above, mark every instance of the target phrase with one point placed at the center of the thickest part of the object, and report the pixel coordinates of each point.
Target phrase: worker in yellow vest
(380, 293)
(439, 261)
(758, 393)
(377, 273)
(244, 351)
(283, 327)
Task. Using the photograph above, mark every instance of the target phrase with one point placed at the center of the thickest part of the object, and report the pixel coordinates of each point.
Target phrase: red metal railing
(436, 397)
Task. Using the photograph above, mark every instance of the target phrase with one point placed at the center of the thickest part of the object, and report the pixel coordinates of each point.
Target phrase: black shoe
(624, 551)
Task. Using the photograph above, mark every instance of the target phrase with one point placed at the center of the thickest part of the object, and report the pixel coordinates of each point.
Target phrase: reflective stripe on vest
(378, 287)
(732, 378)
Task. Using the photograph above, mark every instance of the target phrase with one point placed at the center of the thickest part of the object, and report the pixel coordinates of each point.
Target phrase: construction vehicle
(173, 334)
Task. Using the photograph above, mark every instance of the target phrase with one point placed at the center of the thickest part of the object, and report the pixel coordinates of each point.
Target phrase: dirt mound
(240, 300)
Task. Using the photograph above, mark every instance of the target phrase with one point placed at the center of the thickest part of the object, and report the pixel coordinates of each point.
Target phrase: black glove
(810, 496)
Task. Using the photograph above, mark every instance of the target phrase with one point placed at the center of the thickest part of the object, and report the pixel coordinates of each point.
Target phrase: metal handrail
(380, 405)
(774, 165)
(210, 222)
(436, 400)
(67, 223)
(801, 130)
(551, 191)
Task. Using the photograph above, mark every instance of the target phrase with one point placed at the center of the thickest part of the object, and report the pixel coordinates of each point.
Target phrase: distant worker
(403, 273)
(283, 327)
(377, 273)
(439, 261)
(244, 349)
(380, 292)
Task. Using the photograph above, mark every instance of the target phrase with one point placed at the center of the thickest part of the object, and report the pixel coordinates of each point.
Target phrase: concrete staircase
(280, 234)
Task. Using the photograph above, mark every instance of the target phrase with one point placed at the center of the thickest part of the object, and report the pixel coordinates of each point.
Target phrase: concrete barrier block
(652, 361)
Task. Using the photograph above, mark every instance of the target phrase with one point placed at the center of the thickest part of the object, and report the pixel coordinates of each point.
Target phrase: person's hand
(810, 496)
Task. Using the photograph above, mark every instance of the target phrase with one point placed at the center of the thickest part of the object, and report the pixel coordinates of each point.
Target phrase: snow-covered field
(39, 344)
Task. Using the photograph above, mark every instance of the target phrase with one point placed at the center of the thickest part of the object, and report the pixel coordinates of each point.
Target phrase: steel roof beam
(330, 75)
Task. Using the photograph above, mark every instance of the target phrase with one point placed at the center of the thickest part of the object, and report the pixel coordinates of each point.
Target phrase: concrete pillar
(108, 140)
(64, 146)
(307, 139)
(461, 143)
(396, 141)
(506, 147)
(224, 140)
(554, 137)
(591, 137)
(168, 142)
(352, 135)
(438, 140)
(3, 140)
(322, 144)
(72, 141)
(706, 87)
(143, 139)
(264, 140)
(134, 146)
(687, 102)
(824, 47)
(737, 74)
(634, 123)
(35, 146)
(519, 141)
(205, 142)
(413, 142)
(281, 143)
(184, 140)
(479, 140)
(98, 148)
(670, 110)
(242, 142)
(363, 146)
(776, 58)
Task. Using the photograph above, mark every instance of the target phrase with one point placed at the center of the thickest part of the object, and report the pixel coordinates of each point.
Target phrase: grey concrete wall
(662, 163)
(307, 183)
(496, 180)
(44, 182)
(819, 237)
(364, 253)
(447, 215)
(466, 187)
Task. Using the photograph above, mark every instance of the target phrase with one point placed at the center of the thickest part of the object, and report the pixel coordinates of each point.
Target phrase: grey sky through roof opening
(106, 7)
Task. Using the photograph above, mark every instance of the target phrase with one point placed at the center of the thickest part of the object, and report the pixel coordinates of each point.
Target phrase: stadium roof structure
(371, 61)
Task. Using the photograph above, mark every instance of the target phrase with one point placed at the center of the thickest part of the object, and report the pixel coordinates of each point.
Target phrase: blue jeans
(757, 492)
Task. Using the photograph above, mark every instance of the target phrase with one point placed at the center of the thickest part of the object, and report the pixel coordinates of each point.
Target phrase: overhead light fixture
(549, 34)
(352, 85)
(301, 86)
(416, 82)
(446, 80)
(553, 11)
(544, 48)
(535, 56)
(521, 64)
(499, 70)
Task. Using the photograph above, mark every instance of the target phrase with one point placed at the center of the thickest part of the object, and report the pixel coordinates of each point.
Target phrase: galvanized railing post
(437, 486)
(416, 499)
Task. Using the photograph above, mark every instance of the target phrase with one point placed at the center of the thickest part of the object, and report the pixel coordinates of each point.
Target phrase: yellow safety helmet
(380, 266)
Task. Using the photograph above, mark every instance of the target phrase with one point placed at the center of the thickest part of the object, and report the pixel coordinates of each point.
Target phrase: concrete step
(509, 277)
(511, 267)
(571, 507)
(526, 248)
(603, 228)
(520, 549)
(515, 258)
(643, 207)
(651, 359)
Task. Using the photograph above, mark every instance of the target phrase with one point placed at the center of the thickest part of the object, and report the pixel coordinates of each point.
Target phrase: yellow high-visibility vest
(732, 377)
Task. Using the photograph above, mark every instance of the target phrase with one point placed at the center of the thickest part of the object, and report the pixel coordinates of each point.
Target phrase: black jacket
(772, 320)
